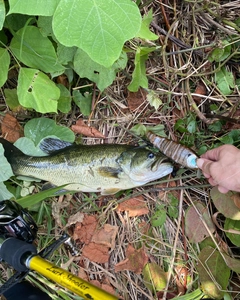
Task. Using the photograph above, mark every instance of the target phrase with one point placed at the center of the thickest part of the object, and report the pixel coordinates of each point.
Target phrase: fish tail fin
(10, 151)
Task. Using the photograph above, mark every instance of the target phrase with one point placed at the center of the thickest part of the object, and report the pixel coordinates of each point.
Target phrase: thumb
(204, 165)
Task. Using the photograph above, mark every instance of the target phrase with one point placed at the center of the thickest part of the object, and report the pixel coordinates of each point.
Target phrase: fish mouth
(161, 162)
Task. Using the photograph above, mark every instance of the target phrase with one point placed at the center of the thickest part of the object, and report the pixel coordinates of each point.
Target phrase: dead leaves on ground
(81, 128)
(135, 207)
(11, 129)
(97, 241)
(135, 260)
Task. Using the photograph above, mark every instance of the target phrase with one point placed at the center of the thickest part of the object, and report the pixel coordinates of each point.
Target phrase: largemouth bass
(177, 152)
(105, 168)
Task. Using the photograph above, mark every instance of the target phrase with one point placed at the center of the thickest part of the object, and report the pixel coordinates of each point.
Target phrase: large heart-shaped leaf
(33, 7)
(99, 27)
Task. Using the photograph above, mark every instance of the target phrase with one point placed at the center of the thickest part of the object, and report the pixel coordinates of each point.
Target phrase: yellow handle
(68, 280)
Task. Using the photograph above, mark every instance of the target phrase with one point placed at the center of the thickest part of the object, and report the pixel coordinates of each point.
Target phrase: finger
(212, 181)
(222, 190)
(212, 155)
(205, 165)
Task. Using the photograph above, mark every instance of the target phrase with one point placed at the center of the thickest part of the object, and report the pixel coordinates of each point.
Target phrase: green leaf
(194, 295)
(65, 54)
(45, 26)
(35, 50)
(139, 77)
(213, 272)
(2, 13)
(139, 129)
(5, 170)
(220, 53)
(64, 102)
(191, 127)
(225, 81)
(35, 90)
(154, 277)
(4, 65)
(153, 99)
(100, 28)
(31, 200)
(12, 99)
(33, 7)
(83, 102)
(84, 66)
(27, 146)
(230, 210)
(159, 217)
(4, 193)
(158, 129)
(144, 31)
(235, 225)
(39, 128)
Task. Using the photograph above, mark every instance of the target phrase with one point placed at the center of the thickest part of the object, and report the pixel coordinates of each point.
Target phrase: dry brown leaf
(78, 217)
(81, 128)
(85, 230)
(201, 90)
(104, 286)
(135, 207)
(96, 252)
(82, 274)
(135, 260)
(136, 99)
(144, 227)
(106, 236)
(11, 129)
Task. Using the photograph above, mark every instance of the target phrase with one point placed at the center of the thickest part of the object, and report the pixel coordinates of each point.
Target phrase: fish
(175, 151)
(104, 168)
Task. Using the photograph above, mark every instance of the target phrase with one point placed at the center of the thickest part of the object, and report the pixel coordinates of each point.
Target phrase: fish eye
(151, 155)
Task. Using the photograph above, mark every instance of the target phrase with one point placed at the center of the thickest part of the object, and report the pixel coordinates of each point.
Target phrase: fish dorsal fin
(51, 145)
(108, 172)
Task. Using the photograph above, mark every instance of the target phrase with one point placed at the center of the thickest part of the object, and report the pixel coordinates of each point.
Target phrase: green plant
(75, 38)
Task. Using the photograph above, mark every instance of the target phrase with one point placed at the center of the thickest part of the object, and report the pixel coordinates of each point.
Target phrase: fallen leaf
(155, 279)
(231, 125)
(11, 129)
(96, 252)
(84, 230)
(135, 206)
(144, 227)
(225, 203)
(194, 226)
(213, 272)
(104, 286)
(106, 236)
(135, 100)
(78, 217)
(81, 128)
(135, 260)
(201, 90)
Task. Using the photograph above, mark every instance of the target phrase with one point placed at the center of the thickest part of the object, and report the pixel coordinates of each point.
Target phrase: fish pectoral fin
(109, 172)
(110, 191)
(51, 145)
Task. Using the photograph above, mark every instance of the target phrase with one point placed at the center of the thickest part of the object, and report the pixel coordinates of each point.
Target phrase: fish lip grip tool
(18, 230)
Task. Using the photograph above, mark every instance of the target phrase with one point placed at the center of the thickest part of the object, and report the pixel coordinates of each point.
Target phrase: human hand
(221, 166)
